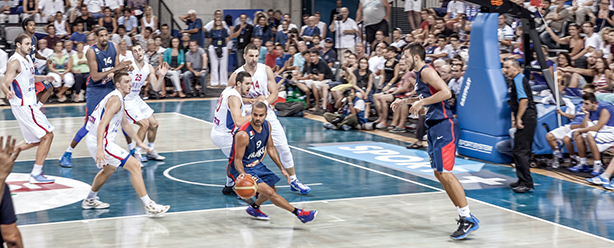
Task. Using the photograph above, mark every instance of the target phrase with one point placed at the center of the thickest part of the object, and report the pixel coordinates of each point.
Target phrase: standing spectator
(328, 54)
(108, 22)
(51, 38)
(196, 63)
(321, 25)
(310, 31)
(413, 9)
(524, 118)
(345, 38)
(49, 8)
(262, 30)
(336, 11)
(243, 33)
(121, 35)
(81, 71)
(262, 53)
(581, 8)
(44, 52)
(282, 35)
(128, 20)
(60, 68)
(271, 55)
(218, 54)
(61, 26)
(216, 15)
(454, 10)
(86, 19)
(165, 36)
(194, 27)
(78, 35)
(505, 35)
(94, 7)
(374, 15)
(602, 17)
(150, 20)
(456, 81)
(174, 56)
(30, 9)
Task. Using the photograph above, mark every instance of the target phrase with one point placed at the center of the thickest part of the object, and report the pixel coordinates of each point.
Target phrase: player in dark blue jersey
(44, 89)
(443, 132)
(103, 60)
(251, 144)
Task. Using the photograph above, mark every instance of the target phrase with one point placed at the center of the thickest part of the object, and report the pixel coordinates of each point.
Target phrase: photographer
(351, 112)
(218, 54)
(345, 33)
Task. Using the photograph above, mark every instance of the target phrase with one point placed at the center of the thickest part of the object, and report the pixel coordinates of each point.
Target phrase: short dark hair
(441, 36)
(251, 46)
(126, 9)
(25, 22)
(589, 97)
(242, 75)
(99, 29)
(149, 29)
(314, 50)
(438, 18)
(19, 39)
(454, 35)
(118, 76)
(136, 44)
(256, 37)
(279, 45)
(191, 41)
(164, 25)
(121, 26)
(259, 105)
(391, 48)
(589, 86)
(415, 48)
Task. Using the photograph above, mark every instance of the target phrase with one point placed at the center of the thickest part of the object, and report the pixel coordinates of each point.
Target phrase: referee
(524, 118)
(8, 220)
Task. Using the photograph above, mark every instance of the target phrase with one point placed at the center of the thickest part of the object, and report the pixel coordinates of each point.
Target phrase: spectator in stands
(108, 22)
(196, 64)
(165, 35)
(69, 47)
(391, 69)
(564, 76)
(413, 9)
(72, 7)
(123, 52)
(298, 60)
(377, 60)
(94, 7)
(321, 25)
(194, 27)
(379, 38)
(603, 76)
(400, 118)
(602, 17)
(216, 15)
(78, 35)
(115, 5)
(397, 40)
(505, 34)
(287, 18)
(328, 54)
(150, 20)
(174, 56)
(537, 81)
(430, 44)
(316, 43)
(607, 48)
(61, 26)
(185, 42)
(445, 73)
(121, 35)
(374, 15)
(218, 54)
(281, 60)
(51, 37)
(81, 71)
(144, 36)
(456, 81)
(43, 52)
(91, 40)
(271, 54)
(262, 52)
(351, 113)
(60, 67)
(262, 30)
(281, 36)
(30, 9)
(364, 82)
(581, 8)
(442, 50)
(454, 9)
(441, 28)
(243, 33)
(390, 91)
(574, 40)
(345, 37)
(592, 42)
(555, 20)
(295, 102)
(86, 18)
(310, 31)
(454, 46)
(462, 28)
(128, 20)
(138, 6)
(318, 75)
(346, 77)
(360, 51)
(154, 58)
(49, 8)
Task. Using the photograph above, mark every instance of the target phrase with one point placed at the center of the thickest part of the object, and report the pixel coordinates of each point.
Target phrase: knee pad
(285, 155)
(81, 133)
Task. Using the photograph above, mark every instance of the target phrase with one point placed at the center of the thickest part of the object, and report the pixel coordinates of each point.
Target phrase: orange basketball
(246, 187)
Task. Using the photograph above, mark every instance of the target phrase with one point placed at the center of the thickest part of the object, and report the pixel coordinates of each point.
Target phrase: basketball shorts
(93, 96)
(137, 110)
(7, 210)
(442, 139)
(259, 171)
(116, 156)
(32, 122)
(223, 141)
(604, 138)
(560, 132)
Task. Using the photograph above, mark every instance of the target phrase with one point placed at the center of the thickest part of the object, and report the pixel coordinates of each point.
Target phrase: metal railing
(164, 14)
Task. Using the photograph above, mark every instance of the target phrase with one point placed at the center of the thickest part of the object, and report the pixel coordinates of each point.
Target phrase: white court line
(431, 187)
(160, 151)
(232, 209)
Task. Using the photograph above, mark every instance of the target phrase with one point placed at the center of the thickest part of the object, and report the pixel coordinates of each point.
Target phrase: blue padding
(482, 146)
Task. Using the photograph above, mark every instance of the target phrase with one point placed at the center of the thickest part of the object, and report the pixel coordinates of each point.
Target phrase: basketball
(246, 187)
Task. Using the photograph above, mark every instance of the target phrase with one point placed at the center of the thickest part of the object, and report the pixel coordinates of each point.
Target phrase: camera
(339, 18)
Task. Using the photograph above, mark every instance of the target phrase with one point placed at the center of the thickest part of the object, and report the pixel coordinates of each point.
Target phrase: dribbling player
(136, 109)
(443, 133)
(19, 87)
(227, 118)
(250, 145)
(103, 60)
(103, 124)
(264, 88)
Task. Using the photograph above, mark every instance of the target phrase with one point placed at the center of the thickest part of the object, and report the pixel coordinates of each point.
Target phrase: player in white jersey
(137, 110)
(264, 86)
(19, 87)
(228, 118)
(103, 125)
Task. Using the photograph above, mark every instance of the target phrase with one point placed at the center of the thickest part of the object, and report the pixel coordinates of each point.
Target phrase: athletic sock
(150, 145)
(464, 211)
(557, 153)
(91, 195)
(605, 175)
(295, 211)
(70, 149)
(146, 200)
(138, 149)
(583, 160)
(132, 145)
(293, 177)
(597, 165)
(229, 182)
(37, 170)
(255, 206)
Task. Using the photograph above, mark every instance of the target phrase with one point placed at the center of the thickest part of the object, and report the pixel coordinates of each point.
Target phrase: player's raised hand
(101, 159)
(163, 68)
(6, 159)
(124, 64)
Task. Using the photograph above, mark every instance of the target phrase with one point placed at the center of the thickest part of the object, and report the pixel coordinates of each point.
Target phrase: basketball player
(136, 109)
(103, 124)
(19, 88)
(103, 61)
(443, 132)
(250, 145)
(43, 89)
(228, 117)
(264, 85)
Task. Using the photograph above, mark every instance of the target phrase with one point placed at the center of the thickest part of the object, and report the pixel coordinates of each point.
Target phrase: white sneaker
(156, 210)
(94, 204)
(81, 97)
(153, 155)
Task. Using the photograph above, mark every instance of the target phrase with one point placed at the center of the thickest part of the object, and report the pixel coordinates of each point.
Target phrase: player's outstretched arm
(234, 104)
(112, 106)
(241, 142)
(270, 147)
(12, 69)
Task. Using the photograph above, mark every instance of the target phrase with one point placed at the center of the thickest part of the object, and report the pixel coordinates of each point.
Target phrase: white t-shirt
(593, 41)
(39, 63)
(50, 7)
(592, 7)
(455, 8)
(290, 26)
(4, 59)
(113, 4)
(360, 105)
(347, 40)
(127, 57)
(503, 34)
(376, 63)
(322, 26)
(209, 26)
(93, 6)
(446, 49)
(116, 38)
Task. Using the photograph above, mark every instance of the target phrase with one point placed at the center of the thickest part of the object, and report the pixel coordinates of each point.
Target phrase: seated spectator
(454, 9)
(49, 8)
(87, 19)
(60, 67)
(287, 18)
(328, 54)
(462, 28)
(196, 64)
(311, 30)
(69, 47)
(158, 41)
(262, 53)
(603, 79)
(430, 44)
(397, 40)
(505, 35)
(165, 36)
(399, 118)
(587, 73)
(129, 21)
(441, 28)
(517, 52)
(44, 51)
(294, 104)
(109, 22)
(195, 27)
(346, 78)
(121, 35)
(321, 25)
(30, 9)
(282, 35)
(592, 43)
(360, 50)
(442, 50)
(138, 6)
(537, 81)
(115, 5)
(51, 37)
(350, 115)
(379, 38)
(262, 30)
(377, 60)
(81, 72)
(555, 19)
(94, 7)
(602, 17)
(271, 54)
(91, 40)
(454, 46)
(456, 81)
(607, 36)
(317, 43)
(72, 8)
(185, 42)
(123, 52)
(154, 58)
(317, 76)
(445, 74)
(429, 26)
(364, 83)
(565, 77)
(144, 36)
(78, 35)
(391, 69)
(288, 64)
(174, 56)
(62, 29)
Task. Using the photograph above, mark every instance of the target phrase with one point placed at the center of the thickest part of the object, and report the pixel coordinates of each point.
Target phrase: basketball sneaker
(328, 125)
(40, 179)
(94, 204)
(598, 180)
(153, 155)
(306, 215)
(466, 225)
(228, 190)
(256, 213)
(597, 170)
(609, 185)
(156, 210)
(296, 185)
(580, 168)
(65, 160)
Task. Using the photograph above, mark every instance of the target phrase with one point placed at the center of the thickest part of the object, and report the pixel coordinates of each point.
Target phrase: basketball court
(369, 190)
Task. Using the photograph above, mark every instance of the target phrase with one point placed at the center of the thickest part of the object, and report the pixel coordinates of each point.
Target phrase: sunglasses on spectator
(455, 71)
(453, 40)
